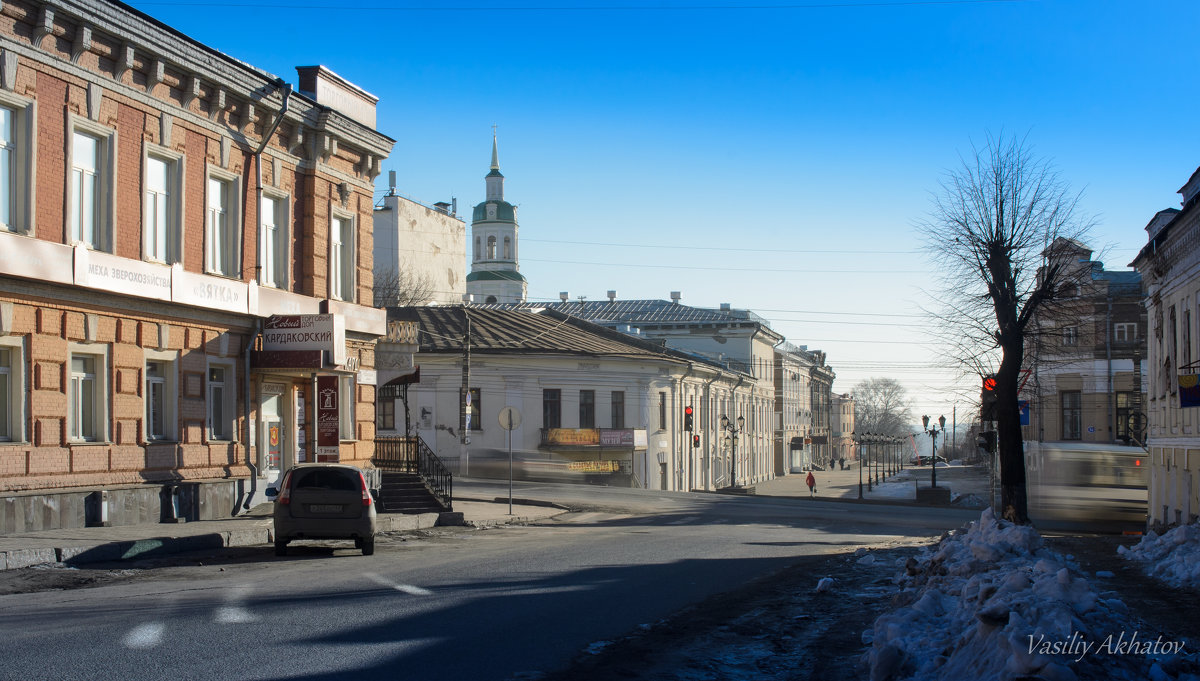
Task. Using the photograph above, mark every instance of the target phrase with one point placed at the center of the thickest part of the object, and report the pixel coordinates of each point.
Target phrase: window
(163, 216)
(341, 259)
(1124, 332)
(476, 248)
(507, 248)
(221, 402)
(273, 240)
(87, 409)
(1072, 415)
(385, 414)
(475, 410)
(1125, 407)
(662, 411)
(12, 390)
(491, 248)
(1070, 335)
(551, 408)
(587, 408)
(16, 162)
(1186, 341)
(347, 406)
(618, 409)
(221, 233)
(86, 222)
(161, 397)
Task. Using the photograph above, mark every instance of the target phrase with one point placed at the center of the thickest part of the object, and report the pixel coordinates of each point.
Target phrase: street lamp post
(728, 427)
(858, 459)
(870, 457)
(933, 433)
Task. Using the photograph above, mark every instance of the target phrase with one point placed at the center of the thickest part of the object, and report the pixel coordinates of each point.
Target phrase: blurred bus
(1087, 486)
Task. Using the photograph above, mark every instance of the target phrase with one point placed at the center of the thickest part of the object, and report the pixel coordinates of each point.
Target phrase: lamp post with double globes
(858, 450)
(933, 433)
(732, 438)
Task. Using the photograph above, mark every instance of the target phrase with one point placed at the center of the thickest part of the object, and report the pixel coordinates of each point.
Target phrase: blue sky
(773, 154)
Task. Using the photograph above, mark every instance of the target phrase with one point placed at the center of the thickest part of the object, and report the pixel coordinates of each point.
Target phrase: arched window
(476, 248)
(507, 248)
(491, 251)
(490, 299)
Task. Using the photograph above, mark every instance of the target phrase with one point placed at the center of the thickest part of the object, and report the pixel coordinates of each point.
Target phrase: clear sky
(771, 154)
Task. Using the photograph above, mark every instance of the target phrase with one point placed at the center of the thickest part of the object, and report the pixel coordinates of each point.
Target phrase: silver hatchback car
(324, 501)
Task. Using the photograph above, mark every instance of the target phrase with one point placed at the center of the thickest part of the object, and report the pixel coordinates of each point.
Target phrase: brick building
(162, 203)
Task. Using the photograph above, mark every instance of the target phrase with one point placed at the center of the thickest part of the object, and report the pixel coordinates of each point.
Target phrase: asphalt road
(502, 603)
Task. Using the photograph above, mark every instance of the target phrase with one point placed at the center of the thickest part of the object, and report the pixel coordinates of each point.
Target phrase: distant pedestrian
(812, 484)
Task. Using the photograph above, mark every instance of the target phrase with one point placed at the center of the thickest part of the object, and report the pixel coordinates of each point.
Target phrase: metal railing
(412, 455)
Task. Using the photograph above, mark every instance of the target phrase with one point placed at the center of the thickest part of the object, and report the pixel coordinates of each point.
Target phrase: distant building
(595, 405)
(1170, 267)
(1085, 380)
(842, 427)
(495, 268)
(420, 253)
(793, 404)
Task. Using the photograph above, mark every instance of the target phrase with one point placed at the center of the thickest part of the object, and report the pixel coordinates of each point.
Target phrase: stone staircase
(407, 493)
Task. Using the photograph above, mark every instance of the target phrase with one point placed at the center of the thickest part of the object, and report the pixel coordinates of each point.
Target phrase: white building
(1170, 268)
(595, 404)
(793, 403)
(495, 271)
(419, 249)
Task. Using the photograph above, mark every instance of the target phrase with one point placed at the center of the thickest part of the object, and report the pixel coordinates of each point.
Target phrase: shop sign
(328, 418)
(366, 377)
(202, 290)
(272, 388)
(593, 466)
(321, 332)
(1189, 390)
(616, 438)
(285, 359)
(24, 256)
(107, 272)
(572, 436)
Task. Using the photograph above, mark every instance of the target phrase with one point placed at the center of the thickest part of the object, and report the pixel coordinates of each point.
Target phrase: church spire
(494, 181)
(495, 152)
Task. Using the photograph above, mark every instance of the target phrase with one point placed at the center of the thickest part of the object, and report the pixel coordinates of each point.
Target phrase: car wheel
(368, 545)
(281, 547)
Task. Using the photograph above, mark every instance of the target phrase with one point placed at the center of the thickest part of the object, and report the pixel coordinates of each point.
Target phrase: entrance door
(272, 436)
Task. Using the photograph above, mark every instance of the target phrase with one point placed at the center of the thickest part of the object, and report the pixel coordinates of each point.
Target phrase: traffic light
(687, 418)
(696, 441)
(987, 399)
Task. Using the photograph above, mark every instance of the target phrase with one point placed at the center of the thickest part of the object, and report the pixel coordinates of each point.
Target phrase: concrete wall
(135, 505)
(425, 244)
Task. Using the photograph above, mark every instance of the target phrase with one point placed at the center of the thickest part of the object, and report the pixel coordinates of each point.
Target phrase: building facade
(420, 253)
(165, 202)
(793, 404)
(594, 405)
(1170, 268)
(842, 428)
(495, 259)
(1088, 356)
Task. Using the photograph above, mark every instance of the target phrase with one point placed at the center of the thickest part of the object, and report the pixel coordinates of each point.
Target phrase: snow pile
(1173, 558)
(991, 602)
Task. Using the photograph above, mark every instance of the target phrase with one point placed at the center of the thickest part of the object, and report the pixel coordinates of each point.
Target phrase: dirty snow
(1173, 558)
(991, 602)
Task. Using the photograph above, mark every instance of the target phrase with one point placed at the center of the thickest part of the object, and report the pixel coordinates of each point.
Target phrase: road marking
(409, 589)
(144, 636)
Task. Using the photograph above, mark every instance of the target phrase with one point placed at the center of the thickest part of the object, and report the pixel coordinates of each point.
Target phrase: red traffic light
(696, 441)
(687, 410)
(989, 383)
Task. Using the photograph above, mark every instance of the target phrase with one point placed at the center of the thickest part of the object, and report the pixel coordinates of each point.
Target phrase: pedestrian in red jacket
(812, 484)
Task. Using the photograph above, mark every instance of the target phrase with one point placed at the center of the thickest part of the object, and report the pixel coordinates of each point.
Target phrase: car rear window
(327, 478)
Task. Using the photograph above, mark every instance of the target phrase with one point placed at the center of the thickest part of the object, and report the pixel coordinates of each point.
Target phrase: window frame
(551, 408)
(385, 414)
(22, 192)
(282, 250)
(233, 247)
(662, 411)
(100, 396)
(104, 232)
(1126, 329)
(617, 408)
(170, 387)
(347, 262)
(14, 408)
(476, 409)
(1075, 413)
(1070, 336)
(587, 409)
(175, 200)
(228, 401)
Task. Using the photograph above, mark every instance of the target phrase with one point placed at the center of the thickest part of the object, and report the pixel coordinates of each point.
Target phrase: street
(454, 603)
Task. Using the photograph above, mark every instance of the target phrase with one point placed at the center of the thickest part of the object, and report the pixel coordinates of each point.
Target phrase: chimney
(391, 183)
(612, 296)
(724, 307)
(329, 89)
(466, 298)
(675, 295)
(563, 296)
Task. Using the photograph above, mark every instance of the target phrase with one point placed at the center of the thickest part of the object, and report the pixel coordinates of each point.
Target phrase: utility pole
(464, 394)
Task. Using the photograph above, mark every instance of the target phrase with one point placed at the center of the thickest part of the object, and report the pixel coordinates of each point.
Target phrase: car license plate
(325, 508)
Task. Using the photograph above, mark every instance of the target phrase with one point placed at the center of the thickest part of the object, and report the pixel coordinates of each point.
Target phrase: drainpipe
(287, 93)
(249, 440)
(686, 453)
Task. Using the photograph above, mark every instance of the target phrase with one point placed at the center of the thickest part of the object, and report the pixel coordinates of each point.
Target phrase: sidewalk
(901, 487)
(253, 528)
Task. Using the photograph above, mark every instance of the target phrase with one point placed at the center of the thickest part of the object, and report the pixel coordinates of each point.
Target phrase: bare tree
(881, 406)
(394, 287)
(994, 225)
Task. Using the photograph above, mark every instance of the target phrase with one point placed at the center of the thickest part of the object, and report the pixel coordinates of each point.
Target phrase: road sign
(510, 418)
